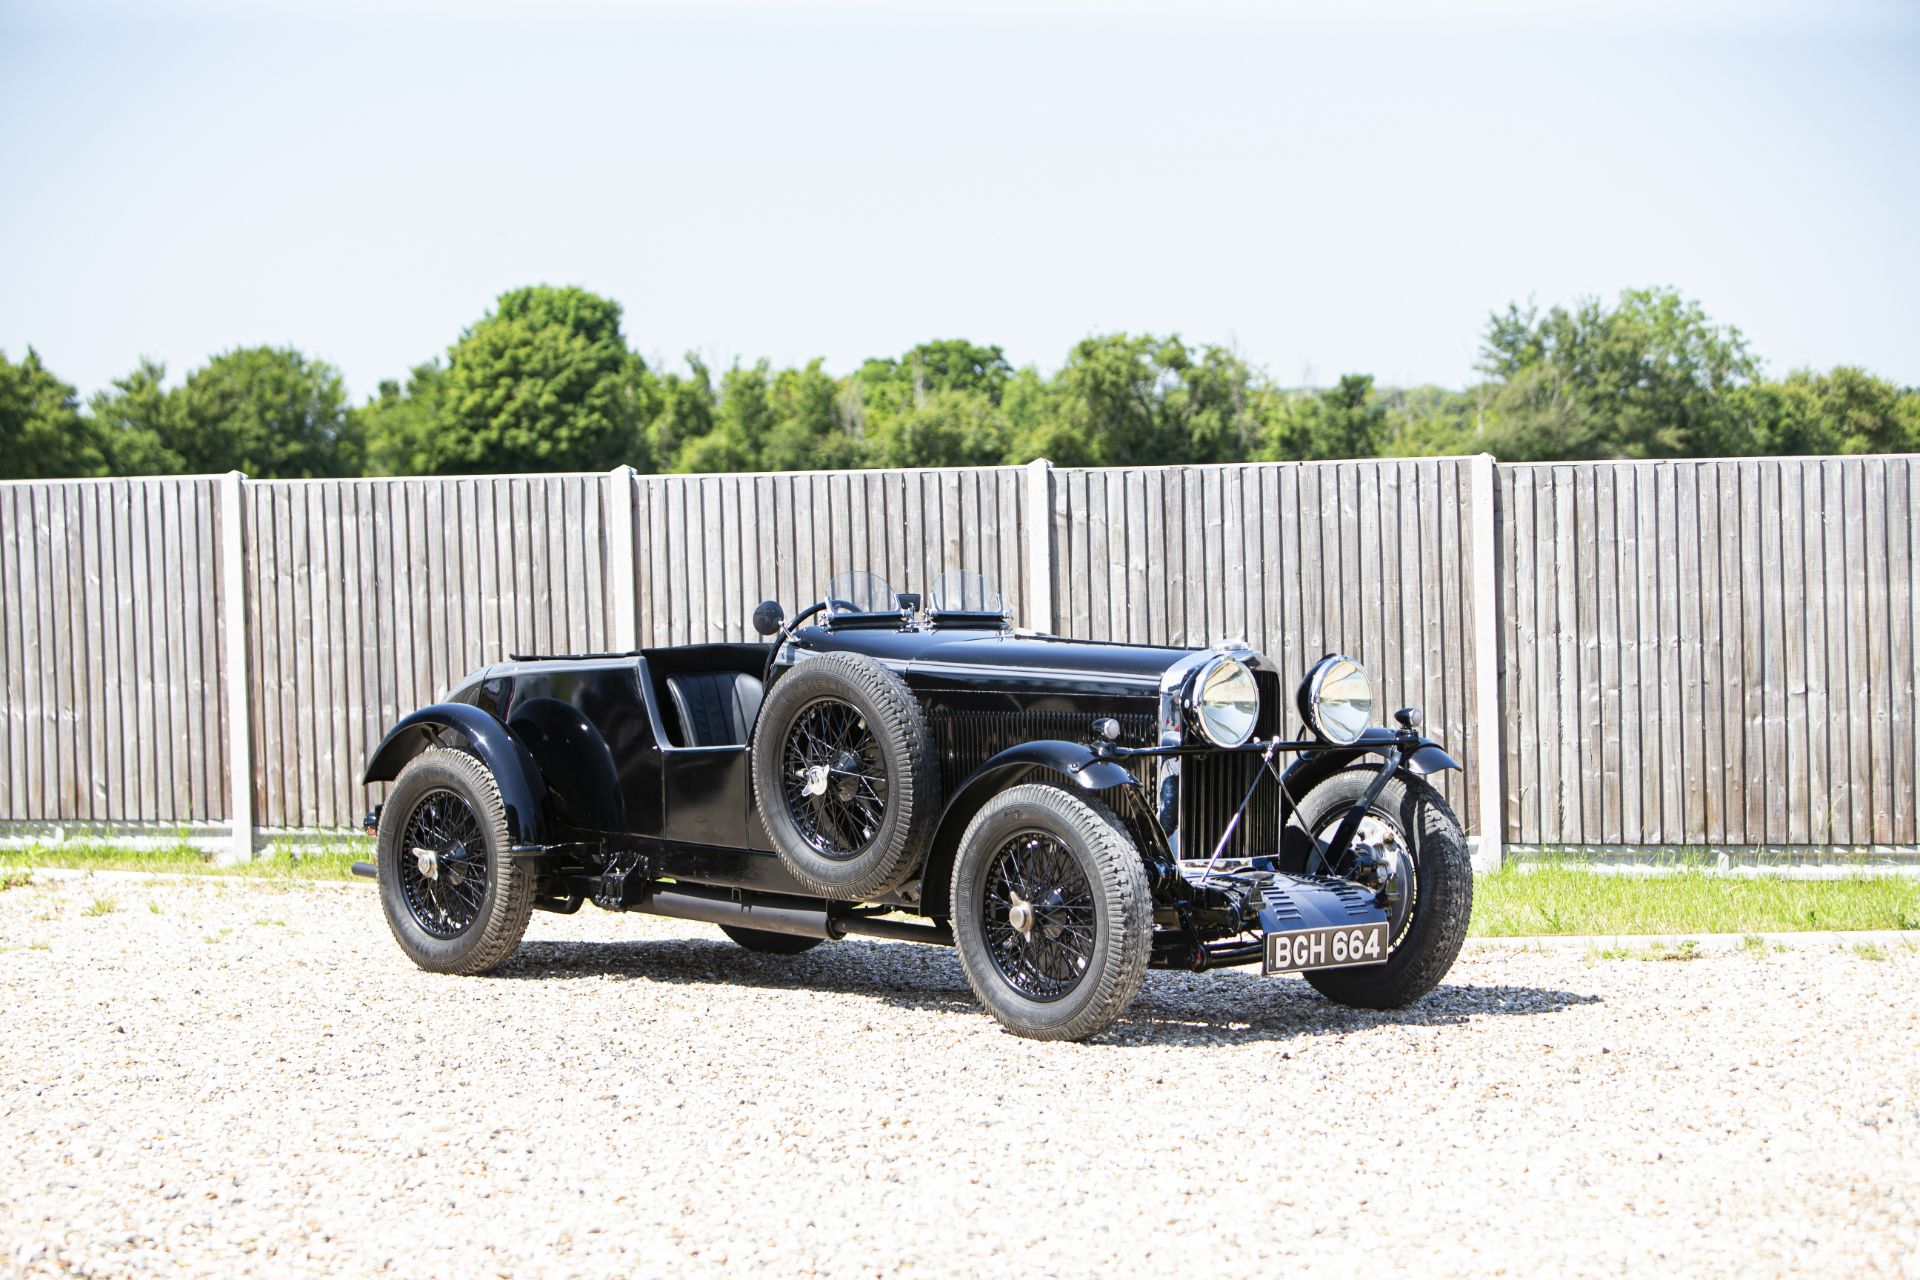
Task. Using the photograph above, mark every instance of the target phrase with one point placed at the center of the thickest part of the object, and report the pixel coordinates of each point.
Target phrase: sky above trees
(1319, 189)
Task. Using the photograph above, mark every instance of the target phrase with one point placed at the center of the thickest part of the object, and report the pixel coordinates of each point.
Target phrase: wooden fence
(1707, 653)
(1372, 559)
(1713, 653)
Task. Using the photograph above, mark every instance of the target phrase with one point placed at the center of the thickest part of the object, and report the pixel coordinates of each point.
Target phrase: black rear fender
(1047, 759)
(471, 729)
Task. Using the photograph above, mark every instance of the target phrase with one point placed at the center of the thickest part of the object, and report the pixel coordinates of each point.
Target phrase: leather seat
(716, 708)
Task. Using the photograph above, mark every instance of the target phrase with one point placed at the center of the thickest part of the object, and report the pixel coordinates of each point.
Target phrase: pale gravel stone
(638, 1097)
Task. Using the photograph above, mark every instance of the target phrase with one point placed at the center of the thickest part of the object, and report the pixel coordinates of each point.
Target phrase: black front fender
(1073, 761)
(1421, 759)
(522, 789)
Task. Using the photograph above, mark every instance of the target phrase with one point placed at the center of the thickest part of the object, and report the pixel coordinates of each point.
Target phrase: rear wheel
(1421, 861)
(454, 898)
(771, 944)
(1051, 913)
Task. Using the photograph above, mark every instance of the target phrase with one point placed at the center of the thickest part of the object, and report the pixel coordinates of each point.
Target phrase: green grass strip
(319, 863)
(1541, 900)
(1513, 902)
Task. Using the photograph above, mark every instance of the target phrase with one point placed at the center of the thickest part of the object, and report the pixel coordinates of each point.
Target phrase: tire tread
(510, 903)
(1445, 896)
(1122, 880)
(916, 790)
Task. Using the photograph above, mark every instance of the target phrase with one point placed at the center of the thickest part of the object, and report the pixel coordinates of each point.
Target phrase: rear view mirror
(767, 617)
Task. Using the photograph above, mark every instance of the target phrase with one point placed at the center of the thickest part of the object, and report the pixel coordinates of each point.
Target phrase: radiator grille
(1212, 786)
(966, 739)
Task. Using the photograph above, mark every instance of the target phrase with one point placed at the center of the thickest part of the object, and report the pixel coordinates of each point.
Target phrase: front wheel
(1051, 913)
(1420, 857)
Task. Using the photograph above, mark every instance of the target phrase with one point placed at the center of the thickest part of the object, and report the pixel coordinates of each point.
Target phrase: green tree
(267, 411)
(1343, 421)
(804, 430)
(1429, 421)
(1140, 400)
(544, 382)
(943, 429)
(742, 420)
(1649, 377)
(1847, 410)
(402, 425)
(1111, 399)
(684, 409)
(135, 419)
(42, 432)
(939, 405)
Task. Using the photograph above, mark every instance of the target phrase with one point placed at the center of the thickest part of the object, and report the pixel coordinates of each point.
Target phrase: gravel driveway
(228, 1079)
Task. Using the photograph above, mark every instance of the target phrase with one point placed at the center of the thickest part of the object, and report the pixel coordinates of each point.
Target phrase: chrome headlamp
(1225, 701)
(1336, 699)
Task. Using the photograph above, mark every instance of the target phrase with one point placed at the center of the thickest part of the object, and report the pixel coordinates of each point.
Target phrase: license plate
(1336, 948)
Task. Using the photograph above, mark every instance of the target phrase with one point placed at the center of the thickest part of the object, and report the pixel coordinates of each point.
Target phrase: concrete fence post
(622, 603)
(1486, 759)
(233, 586)
(1040, 545)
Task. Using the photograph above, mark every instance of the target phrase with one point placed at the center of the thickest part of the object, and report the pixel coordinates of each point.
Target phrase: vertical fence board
(1711, 652)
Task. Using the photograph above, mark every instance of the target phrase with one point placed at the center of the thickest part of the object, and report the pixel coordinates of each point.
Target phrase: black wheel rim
(443, 864)
(1038, 916)
(835, 779)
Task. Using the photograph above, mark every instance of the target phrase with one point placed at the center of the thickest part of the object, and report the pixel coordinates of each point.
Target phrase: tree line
(546, 381)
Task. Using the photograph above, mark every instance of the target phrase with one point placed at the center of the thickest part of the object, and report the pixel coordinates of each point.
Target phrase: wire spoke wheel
(1038, 916)
(834, 779)
(1393, 871)
(443, 864)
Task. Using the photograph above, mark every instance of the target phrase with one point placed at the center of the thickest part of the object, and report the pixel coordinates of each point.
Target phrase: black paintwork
(599, 782)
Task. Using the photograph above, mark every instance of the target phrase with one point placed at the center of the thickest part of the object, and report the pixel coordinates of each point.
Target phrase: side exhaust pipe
(773, 914)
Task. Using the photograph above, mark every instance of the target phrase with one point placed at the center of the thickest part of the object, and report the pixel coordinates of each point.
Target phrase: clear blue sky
(1329, 187)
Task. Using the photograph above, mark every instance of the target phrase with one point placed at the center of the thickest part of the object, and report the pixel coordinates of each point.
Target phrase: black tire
(1039, 822)
(870, 829)
(1439, 901)
(771, 944)
(442, 922)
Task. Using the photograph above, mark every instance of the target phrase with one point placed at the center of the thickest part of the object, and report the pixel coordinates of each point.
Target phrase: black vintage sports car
(1065, 813)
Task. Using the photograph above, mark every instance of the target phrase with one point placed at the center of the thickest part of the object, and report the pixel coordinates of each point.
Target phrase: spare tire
(845, 776)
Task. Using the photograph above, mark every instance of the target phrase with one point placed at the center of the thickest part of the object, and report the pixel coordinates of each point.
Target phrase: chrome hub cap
(442, 864)
(1379, 858)
(1038, 916)
(835, 779)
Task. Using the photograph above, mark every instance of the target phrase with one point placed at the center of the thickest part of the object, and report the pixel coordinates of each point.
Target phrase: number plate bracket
(1320, 923)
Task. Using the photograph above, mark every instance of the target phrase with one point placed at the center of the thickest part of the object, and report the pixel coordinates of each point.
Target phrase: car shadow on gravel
(1221, 1007)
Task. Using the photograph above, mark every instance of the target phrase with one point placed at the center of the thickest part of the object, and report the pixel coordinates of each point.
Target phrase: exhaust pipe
(802, 916)
(775, 913)
(897, 930)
